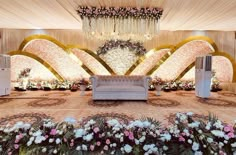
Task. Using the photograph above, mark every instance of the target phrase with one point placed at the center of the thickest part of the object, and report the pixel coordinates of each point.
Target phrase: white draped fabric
(61, 14)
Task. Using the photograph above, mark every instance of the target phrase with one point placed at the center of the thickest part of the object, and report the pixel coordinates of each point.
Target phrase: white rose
(29, 143)
(127, 148)
(51, 140)
(84, 147)
(58, 141)
(55, 151)
(78, 148)
(88, 137)
(44, 149)
(195, 146)
(209, 140)
(190, 141)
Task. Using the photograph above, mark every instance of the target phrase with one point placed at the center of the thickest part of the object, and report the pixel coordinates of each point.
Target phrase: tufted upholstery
(120, 87)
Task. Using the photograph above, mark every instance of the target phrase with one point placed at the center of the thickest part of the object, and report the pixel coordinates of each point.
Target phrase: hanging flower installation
(120, 12)
(136, 46)
(120, 22)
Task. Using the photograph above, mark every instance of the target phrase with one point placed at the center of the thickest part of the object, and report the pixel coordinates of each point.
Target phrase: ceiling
(61, 14)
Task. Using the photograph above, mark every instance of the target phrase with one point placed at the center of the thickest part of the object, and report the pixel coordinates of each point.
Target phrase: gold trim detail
(41, 61)
(231, 59)
(104, 64)
(142, 58)
(129, 71)
(67, 49)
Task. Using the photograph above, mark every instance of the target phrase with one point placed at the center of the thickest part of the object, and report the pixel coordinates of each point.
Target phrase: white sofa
(119, 87)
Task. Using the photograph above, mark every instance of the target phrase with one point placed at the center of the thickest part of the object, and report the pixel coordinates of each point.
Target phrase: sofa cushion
(120, 88)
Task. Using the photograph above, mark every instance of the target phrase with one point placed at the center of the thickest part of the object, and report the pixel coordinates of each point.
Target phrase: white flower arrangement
(146, 137)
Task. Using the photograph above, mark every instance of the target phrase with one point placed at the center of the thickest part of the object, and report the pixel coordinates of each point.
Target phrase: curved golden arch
(175, 48)
(231, 59)
(142, 58)
(217, 53)
(67, 49)
(41, 61)
(104, 64)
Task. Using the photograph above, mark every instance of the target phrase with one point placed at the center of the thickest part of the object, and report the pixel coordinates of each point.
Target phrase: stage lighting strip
(41, 61)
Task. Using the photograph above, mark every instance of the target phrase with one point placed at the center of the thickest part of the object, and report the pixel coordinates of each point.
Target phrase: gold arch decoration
(142, 58)
(27, 40)
(175, 48)
(41, 61)
(67, 48)
(104, 64)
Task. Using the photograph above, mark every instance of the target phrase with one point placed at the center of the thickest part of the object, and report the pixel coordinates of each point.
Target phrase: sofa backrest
(120, 80)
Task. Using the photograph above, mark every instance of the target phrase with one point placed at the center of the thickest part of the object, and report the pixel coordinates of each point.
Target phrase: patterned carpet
(33, 106)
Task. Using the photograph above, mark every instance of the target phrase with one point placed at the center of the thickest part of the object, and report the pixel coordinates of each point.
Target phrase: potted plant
(83, 85)
(157, 82)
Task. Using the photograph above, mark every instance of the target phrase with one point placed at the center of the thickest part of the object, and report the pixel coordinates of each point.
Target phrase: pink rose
(108, 141)
(131, 136)
(231, 135)
(17, 141)
(105, 147)
(92, 147)
(181, 139)
(53, 132)
(228, 128)
(71, 144)
(21, 136)
(9, 153)
(96, 130)
(126, 133)
(65, 140)
(98, 143)
(46, 136)
(16, 146)
(72, 140)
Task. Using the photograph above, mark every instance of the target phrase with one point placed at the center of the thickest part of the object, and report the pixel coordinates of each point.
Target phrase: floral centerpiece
(186, 136)
(133, 46)
(187, 85)
(173, 85)
(46, 85)
(157, 81)
(83, 81)
(23, 79)
(215, 83)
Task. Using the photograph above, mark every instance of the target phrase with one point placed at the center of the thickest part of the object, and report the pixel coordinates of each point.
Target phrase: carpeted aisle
(33, 106)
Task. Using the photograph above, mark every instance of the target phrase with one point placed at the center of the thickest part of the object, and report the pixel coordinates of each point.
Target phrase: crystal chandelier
(121, 23)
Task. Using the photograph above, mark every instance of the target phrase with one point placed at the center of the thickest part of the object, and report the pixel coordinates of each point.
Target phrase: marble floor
(33, 106)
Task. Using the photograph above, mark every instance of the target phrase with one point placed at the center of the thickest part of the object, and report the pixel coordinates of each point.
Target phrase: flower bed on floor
(146, 136)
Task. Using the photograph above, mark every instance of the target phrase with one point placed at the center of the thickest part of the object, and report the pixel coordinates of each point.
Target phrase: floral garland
(120, 12)
(185, 136)
(136, 46)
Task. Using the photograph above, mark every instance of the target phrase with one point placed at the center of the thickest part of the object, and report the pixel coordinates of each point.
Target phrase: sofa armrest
(94, 81)
(146, 80)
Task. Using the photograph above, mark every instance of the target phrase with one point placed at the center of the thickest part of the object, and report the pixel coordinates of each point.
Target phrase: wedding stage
(31, 106)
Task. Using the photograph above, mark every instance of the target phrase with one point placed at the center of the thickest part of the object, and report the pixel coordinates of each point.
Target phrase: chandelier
(121, 23)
